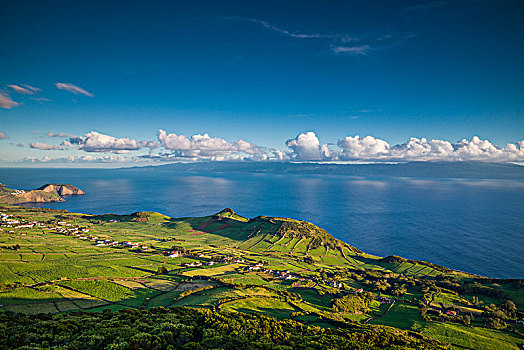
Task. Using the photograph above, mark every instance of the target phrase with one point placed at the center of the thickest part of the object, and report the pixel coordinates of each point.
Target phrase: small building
(335, 284)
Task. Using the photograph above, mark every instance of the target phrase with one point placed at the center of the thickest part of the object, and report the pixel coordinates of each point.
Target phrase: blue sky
(263, 72)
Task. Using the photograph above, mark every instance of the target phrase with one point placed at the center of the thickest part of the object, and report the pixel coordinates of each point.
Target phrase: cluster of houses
(112, 243)
(123, 244)
(69, 230)
(198, 263)
(7, 220)
(235, 260)
(283, 275)
(173, 254)
(65, 228)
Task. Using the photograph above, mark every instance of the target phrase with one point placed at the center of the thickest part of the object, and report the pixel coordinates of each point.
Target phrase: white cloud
(40, 100)
(206, 147)
(24, 89)
(173, 141)
(73, 88)
(306, 146)
(422, 149)
(32, 88)
(6, 101)
(353, 50)
(150, 144)
(60, 134)
(478, 149)
(44, 146)
(362, 147)
(279, 155)
(3, 135)
(285, 32)
(96, 142)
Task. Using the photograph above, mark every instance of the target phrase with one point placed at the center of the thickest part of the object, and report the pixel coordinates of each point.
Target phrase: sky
(108, 83)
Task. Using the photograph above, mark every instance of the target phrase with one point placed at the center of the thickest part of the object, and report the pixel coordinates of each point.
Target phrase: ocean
(470, 223)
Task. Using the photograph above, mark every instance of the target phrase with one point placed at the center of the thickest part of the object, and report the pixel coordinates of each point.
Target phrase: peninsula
(45, 194)
(227, 281)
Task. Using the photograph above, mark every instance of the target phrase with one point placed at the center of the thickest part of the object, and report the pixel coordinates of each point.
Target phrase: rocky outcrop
(62, 189)
(45, 194)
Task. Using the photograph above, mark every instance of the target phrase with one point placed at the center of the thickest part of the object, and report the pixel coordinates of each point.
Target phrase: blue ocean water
(474, 225)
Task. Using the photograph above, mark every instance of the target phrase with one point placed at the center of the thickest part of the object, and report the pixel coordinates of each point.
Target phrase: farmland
(54, 261)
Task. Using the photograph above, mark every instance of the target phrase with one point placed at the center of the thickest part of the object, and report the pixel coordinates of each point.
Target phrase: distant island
(444, 170)
(44, 194)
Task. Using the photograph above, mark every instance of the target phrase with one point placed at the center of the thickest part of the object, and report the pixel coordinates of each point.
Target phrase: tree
(162, 270)
(495, 323)
(145, 341)
(466, 320)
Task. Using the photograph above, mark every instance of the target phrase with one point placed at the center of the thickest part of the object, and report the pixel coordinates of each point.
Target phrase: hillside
(53, 261)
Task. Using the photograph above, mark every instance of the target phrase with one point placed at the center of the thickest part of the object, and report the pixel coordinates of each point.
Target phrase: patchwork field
(283, 268)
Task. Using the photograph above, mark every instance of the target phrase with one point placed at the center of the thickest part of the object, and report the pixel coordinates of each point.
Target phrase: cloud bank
(306, 146)
(199, 147)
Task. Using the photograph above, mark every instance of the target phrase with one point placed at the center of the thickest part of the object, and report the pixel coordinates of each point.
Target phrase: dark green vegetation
(323, 292)
(184, 328)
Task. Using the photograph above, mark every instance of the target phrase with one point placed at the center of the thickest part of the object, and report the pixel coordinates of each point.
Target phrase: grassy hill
(290, 270)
